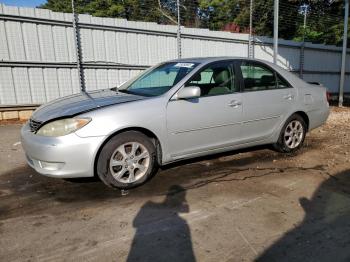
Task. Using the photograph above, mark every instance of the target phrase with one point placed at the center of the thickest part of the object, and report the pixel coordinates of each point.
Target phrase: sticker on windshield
(187, 65)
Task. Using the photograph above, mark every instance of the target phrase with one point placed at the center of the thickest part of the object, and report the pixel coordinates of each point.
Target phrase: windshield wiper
(126, 91)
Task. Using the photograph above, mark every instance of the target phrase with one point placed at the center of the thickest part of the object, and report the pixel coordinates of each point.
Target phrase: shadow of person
(324, 234)
(161, 234)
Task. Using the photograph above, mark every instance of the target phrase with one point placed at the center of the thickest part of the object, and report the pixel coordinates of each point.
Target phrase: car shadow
(268, 154)
(22, 188)
(324, 233)
(24, 192)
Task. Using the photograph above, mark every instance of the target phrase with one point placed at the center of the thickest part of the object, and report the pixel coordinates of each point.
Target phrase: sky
(26, 3)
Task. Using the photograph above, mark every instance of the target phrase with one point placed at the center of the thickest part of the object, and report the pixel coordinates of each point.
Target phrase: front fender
(147, 114)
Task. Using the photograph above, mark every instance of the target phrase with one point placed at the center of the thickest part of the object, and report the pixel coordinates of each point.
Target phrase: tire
(292, 135)
(127, 160)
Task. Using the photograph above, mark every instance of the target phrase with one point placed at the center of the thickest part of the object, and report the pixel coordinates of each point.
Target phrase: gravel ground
(244, 205)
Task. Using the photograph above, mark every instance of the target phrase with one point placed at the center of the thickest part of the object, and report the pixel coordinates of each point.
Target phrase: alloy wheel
(293, 134)
(129, 162)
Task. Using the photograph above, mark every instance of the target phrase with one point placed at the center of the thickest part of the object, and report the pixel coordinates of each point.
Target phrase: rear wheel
(127, 160)
(292, 135)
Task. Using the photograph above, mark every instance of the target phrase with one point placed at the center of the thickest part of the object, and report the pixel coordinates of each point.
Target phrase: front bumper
(64, 157)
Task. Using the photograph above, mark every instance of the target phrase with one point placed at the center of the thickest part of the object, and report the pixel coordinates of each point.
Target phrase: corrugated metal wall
(37, 53)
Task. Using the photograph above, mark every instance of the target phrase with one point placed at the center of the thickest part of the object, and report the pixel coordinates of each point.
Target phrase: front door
(211, 121)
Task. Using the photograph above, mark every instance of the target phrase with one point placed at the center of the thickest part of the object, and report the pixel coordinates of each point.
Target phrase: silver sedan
(176, 110)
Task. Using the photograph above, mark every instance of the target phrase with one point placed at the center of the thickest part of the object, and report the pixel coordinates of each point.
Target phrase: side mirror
(189, 92)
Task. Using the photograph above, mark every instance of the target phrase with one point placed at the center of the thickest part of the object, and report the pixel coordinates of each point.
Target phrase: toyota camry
(176, 110)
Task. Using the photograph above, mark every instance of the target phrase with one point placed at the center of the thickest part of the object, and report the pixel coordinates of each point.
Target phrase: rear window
(257, 77)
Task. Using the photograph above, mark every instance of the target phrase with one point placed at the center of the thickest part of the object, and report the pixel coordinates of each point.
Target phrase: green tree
(324, 23)
(324, 20)
(215, 14)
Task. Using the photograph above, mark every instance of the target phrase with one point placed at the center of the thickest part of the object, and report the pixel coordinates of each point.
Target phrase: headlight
(63, 127)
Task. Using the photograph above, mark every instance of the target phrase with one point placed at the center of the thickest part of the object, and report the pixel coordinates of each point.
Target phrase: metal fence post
(343, 58)
(78, 49)
(250, 43)
(178, 30)
(301, 60)
(304, 10)
(275, 31)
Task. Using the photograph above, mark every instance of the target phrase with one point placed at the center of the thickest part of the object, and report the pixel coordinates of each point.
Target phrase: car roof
(211, 59)
(201, 59)
(204, 60)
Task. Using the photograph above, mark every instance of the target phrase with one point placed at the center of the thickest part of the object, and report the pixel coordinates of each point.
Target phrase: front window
(216, 79)
(158, 80)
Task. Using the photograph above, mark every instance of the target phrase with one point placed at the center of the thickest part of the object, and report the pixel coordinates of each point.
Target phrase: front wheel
(292, 135)
(127, 160)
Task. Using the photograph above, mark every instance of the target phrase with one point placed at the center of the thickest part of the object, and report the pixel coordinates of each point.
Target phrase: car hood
(80, 103)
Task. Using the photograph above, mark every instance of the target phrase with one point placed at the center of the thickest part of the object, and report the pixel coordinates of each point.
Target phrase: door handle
(289, 97)
(235, 103)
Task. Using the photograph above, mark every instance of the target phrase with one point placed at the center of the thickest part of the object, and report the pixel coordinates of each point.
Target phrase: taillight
(328, 96)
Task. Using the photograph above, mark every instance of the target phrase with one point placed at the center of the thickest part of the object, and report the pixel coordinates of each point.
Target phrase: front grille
(34, 125)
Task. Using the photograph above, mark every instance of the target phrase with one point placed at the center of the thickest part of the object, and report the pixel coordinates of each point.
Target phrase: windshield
(158, 80)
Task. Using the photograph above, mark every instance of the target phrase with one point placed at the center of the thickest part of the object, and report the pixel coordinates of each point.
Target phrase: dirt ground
(246, 205)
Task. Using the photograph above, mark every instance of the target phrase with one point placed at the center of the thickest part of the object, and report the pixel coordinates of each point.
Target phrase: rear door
(211, 121)
(267, 98)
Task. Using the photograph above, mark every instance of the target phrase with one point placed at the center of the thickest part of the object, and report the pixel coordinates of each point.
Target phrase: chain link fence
(38, 56)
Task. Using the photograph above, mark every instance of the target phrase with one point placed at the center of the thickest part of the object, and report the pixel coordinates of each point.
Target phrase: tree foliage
(324, 20)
